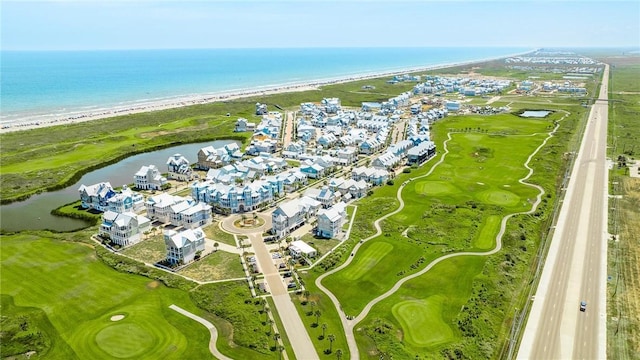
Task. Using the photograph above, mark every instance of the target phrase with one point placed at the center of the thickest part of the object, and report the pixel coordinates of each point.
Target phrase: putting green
(142, 334)
(125, 340)
(436, 188)
(366, 260)
(499, 197)
(421, 321)
(485, 239)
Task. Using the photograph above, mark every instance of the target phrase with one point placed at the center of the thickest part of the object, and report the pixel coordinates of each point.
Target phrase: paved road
(575, 269)
(293, 325)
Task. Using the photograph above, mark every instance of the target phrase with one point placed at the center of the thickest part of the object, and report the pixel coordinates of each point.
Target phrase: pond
(35, 212)
(535, 113)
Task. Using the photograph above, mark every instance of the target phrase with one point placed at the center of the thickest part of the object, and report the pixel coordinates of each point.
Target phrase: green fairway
(369, 258)
(80, 295)
(421, 321)
(499, 197)
(487, 236)
(435, 188)
(457, 207)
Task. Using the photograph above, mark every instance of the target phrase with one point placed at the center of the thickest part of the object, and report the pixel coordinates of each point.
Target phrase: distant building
(261, 109)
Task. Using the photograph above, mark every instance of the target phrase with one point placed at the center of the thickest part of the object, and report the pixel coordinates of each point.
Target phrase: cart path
(212, 330)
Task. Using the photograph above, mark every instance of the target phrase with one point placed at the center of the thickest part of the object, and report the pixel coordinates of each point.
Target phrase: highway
(576, 266)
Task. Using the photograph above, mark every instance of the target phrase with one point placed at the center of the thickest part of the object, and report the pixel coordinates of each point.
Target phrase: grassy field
(623, 326)
(150, 250)
(214, 233)
(457, 207)
(79, 295)
(218, 265)
(59, 155)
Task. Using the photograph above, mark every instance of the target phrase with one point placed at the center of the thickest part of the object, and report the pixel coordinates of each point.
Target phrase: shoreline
(29, 123)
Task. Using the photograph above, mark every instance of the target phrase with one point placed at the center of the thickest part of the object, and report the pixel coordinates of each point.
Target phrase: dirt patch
(153, 284)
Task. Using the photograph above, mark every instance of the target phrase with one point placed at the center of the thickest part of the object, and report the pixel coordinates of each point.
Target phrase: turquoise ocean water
(36, 84)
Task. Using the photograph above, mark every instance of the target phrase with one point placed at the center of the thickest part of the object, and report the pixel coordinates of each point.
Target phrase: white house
(183, 246)
(386, 161)
(300, 248)
(123, 229)
(96, 196)
(292, 214)
(149, 178)
(179, 168)
(325, 196)
(126, 200)
(330, 221)
(244, 125)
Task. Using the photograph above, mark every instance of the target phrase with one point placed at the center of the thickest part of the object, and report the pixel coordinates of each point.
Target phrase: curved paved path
(349, 324)
(212, 330)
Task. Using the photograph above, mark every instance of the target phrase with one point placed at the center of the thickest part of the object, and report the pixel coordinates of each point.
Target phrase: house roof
(302, 247)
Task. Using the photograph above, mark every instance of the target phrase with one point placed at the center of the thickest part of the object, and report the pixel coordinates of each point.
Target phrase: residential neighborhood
(334, 156)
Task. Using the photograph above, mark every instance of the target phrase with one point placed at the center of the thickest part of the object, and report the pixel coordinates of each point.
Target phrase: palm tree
(324, 327)
(266, 312)
(215, 245)
(276, 336)
(339, 354)
(270, 324)
(280, 350)
(317, 314)
(331, 338)
(306, 295)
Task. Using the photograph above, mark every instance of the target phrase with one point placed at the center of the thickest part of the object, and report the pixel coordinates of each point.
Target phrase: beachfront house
(149, 178)
(123, 229)
(331, 105)
(96, 196)
(178, 168)
(125, 201)
(299, 248)
(244, 125)
(183, 246)
(292, 214)
(330, 221)
(261, 109)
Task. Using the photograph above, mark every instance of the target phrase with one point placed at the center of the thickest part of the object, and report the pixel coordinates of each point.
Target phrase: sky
(151, 24)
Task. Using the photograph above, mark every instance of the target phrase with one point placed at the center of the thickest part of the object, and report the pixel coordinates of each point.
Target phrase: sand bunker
(117, 317)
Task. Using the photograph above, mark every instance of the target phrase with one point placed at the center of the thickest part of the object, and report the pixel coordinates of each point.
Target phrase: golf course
(454, 206)
(95, 311)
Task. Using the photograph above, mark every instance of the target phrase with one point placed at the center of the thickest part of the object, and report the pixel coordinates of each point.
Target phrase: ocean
(54, 84)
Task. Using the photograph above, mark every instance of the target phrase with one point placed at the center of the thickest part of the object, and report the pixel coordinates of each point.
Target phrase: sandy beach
(31, 123)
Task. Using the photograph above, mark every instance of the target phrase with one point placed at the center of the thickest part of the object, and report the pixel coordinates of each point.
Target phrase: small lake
(35, 212)
(535, 113)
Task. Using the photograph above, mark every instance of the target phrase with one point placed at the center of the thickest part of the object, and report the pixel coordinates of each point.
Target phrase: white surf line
(212, 330)
(350, 324)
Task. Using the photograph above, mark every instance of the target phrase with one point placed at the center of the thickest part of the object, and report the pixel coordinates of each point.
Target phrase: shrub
(390, 182)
